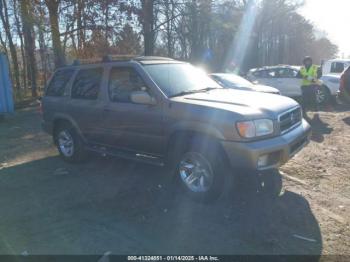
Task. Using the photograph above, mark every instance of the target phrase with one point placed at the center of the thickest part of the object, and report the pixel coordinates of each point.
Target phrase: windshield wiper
(183, 93)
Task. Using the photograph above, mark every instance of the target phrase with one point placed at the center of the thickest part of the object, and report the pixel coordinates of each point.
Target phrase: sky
(332, 17)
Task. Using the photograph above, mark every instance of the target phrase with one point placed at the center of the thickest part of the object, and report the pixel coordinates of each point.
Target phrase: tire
(271, 183)
(69, 144)
(322, 95)
(200, 169)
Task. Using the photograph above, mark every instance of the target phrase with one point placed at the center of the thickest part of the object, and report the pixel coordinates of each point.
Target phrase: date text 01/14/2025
(173, 258)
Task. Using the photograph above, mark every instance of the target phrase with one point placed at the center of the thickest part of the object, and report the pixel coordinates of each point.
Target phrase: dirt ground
(51, 207)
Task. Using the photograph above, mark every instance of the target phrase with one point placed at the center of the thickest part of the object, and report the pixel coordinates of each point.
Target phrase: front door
(128, 125)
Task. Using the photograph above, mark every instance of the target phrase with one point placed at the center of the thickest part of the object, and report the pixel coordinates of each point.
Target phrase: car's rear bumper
(273, 152)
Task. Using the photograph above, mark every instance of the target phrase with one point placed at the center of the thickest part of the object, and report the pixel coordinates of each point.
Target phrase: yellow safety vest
(312, 72)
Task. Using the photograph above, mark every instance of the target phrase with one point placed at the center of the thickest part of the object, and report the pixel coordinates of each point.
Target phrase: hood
(247, 104)
(265, 89)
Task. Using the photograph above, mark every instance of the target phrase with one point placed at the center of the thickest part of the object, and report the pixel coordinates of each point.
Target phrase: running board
(140, 157)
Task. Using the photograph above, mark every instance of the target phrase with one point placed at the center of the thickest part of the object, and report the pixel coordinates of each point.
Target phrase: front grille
(290, 119)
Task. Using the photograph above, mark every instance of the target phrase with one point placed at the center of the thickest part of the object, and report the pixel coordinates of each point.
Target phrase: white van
(335, 66)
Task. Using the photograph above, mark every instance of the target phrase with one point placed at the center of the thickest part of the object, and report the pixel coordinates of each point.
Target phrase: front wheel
(201, 170)
(270, 183)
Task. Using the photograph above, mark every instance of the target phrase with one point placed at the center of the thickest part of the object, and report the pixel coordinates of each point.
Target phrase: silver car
(239, 83)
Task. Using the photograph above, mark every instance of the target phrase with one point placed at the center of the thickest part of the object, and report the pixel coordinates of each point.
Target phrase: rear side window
(58, 83)
(286, 73)
(272, 73)
(257, 73)
(337, 67)
(261, 74)
(87, 84)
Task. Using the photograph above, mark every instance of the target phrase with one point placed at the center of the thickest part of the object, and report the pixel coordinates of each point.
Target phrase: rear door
(270, 77)
(128, 125)
(85, 106)
(288, 83)
(262, 77)
(54, 100)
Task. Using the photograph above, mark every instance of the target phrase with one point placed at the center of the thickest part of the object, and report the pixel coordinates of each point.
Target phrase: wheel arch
(182, 136)
(61, 120)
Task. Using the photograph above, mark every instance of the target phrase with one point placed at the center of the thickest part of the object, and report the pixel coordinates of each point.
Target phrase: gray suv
(166, 112)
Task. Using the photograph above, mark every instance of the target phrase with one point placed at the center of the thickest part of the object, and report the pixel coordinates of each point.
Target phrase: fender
(196, 127)
(64, 117)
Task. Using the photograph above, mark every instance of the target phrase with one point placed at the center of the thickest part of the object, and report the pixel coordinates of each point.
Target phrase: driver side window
(122, 82)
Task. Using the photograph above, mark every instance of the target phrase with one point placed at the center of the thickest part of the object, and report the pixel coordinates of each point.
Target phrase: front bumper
(277, 150)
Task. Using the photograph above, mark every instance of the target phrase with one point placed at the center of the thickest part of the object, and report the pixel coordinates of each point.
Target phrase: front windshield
(176, 78)
(236, 80)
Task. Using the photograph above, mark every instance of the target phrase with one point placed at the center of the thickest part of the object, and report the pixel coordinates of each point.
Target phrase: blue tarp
(6, 96)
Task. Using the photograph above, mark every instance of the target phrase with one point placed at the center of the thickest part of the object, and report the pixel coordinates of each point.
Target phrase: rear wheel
(69, 143)
(322, 95)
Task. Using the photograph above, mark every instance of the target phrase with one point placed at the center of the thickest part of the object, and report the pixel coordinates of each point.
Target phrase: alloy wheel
(65, 143)
(196, 172)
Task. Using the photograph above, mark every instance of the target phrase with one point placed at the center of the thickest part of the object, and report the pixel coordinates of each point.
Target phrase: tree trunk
(29, 42)
(80, 25)
(52, 6)
(20, 34)
(148, 32)
(107, 26)
(40, 23)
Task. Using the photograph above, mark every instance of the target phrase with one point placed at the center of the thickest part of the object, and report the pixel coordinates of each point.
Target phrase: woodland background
(41, 35)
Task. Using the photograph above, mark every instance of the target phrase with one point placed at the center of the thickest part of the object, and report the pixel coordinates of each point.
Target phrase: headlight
(255, 128)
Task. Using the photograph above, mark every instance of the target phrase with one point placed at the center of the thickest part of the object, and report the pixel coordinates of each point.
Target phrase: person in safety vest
(308, 73)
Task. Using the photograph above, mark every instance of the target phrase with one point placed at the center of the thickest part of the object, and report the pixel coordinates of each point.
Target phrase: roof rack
(114, 58)
(145, 58)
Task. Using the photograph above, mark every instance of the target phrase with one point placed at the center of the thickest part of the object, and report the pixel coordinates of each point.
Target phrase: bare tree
(52, 6)
(147, 25)
(29, 42)
(20, 35)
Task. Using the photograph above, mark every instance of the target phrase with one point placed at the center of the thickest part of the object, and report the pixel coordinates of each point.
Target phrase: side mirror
(142, 97)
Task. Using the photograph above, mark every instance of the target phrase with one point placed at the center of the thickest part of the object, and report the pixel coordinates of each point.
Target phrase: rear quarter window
(59, 82)
(87, 84)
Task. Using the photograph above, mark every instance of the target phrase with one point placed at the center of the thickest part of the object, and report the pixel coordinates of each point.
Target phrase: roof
(274, 67)
(122, 58)
(338, 60)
